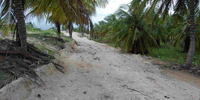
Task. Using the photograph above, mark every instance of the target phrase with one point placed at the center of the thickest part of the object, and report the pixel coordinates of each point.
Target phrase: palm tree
(181, 8)
(30, 26)
(86, 21)
(134, 36)
(70, 27)
(8, 15)
(191, 51)
(47, 8)
(62, 12)
(58, 29)
(81, 13)
(157, 29)
(105, 29)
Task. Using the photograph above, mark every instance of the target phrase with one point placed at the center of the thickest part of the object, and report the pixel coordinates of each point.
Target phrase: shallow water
(183, 76)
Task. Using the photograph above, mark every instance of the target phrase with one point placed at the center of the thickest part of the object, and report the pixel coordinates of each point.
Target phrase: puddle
(183, 76)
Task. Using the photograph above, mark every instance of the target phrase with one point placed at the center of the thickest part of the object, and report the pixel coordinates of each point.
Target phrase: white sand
(99, 72)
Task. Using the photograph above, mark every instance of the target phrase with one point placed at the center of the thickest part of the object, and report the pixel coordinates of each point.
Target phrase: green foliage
(44, 49)
(46, 33)
(138, 28)
(61, 12)
(67, 39)
(129, 29)
(50, 32)
(167, 53)
(111, 44)
(37, 29)
(52, 42)
(81, 36)
(30, 26)
(77, 29)
(49, 41)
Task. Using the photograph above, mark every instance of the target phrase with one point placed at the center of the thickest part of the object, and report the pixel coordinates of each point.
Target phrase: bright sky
(111, 7)
(101, 13)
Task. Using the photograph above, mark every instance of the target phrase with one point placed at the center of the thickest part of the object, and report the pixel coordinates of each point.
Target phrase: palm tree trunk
(58, 29)
(70, 28)
(92, 30)
(187, 43)
(191, 52)
(82, 30)
(21, 27)
(134, 48)
(158, 42)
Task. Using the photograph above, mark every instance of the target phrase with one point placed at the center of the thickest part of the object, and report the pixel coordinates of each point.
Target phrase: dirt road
(99, 72)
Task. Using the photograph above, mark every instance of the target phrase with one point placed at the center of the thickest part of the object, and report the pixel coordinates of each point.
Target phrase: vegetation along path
(96, 71)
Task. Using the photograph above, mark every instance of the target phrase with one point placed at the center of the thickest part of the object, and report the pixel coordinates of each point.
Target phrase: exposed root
(17, 63)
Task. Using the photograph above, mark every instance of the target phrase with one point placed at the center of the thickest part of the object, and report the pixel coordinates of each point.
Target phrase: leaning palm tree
(181, 8)
(13, 11)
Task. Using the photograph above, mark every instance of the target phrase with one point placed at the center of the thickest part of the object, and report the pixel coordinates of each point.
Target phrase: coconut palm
(180, 7)
(47, 8)
(157, 29)
(12, 12)
(86, 22)
(134, 35)
(22, 60)
(84, 11)
(63, 12)
(131, 28)
(101, 29)
(180, 34)
(107, 28)
(191, 52)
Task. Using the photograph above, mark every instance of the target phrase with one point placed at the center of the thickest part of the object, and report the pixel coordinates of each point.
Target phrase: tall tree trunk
(191, 52)
(158, 42)
(187, 43)
(134, 48)
(58, 29)
(70, 28)
(92, 30)
(21, 27)
(82, 30)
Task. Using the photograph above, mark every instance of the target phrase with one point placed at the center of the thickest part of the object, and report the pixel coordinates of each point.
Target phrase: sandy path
(98, 72)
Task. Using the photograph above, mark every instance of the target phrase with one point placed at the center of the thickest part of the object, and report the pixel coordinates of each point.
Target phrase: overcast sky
(111, 7)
